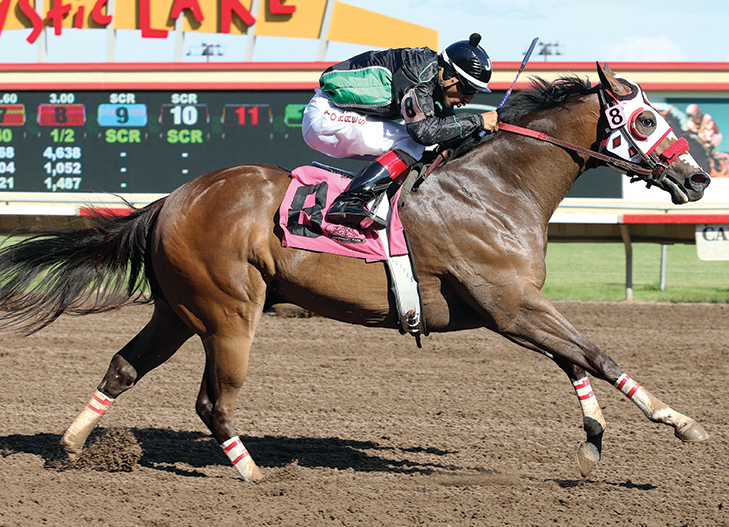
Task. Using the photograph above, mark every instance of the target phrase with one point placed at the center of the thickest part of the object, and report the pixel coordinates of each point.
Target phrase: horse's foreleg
(157, 342)
(538, 324)
(225, 370)
(593, 422)
(685, 428)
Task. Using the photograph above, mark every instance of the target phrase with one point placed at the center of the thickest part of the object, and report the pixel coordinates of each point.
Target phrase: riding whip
(523, 65)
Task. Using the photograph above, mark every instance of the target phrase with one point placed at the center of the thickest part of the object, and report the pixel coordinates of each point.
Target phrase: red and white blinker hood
(625, 141)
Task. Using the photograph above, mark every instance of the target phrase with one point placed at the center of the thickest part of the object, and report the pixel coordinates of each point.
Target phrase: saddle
(303, 224)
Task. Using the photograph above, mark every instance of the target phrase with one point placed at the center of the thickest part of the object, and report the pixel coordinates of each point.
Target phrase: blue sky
(586, 30)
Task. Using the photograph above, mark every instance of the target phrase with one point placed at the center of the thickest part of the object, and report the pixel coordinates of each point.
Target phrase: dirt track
(355, 426)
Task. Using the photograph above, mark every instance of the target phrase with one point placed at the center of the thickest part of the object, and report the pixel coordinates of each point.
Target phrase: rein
(629, 167)
(619, 163)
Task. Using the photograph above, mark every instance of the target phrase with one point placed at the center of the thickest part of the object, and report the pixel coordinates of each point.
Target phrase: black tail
(82, 271)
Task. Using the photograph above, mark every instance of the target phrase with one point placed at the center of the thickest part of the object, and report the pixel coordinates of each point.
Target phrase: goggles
(465, 87)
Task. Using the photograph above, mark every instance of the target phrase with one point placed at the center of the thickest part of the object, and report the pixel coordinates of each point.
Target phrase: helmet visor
(465, 87)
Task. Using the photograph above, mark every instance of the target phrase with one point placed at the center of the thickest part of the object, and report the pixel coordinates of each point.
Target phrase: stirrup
(354, 215)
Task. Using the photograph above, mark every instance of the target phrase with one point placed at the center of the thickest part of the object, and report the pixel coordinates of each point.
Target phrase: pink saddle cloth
(302, 217)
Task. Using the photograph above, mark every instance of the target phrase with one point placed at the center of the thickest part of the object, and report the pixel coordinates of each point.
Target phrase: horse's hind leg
(158, 341)
(225, 370)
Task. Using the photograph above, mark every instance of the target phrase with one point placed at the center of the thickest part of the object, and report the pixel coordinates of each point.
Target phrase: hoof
(587, 458)
(691, 432)
(255, 475)
(249, 471)
(72, 452)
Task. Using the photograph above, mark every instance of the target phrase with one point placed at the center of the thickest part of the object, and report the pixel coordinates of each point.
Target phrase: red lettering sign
(100, 15)
(100, 19)
(56, 13)
(4, 6)
(145, 23)
(34, 17)
(227, 8)
(79, 20)
(192, 5)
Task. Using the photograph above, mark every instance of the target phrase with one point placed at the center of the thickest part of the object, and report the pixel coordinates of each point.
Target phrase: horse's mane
(543, 95)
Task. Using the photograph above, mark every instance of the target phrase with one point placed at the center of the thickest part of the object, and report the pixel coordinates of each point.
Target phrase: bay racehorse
(211, 255)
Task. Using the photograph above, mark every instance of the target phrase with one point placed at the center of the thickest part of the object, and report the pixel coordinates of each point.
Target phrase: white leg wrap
(240, 458)
(638, 395)
(75, 436)
(588, 402)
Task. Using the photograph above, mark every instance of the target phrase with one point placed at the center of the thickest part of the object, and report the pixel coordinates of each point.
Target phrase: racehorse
(211, 255)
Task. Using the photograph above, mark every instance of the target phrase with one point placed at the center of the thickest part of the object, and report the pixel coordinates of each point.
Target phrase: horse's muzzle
(684, 188)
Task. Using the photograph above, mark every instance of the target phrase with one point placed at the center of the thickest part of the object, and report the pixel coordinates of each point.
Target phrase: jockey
(353, 115)
(703, 125)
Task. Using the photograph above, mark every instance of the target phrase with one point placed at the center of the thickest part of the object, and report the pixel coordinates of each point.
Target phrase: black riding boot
(350, 207)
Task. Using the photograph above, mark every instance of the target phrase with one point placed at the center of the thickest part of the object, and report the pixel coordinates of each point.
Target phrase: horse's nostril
(700, 181)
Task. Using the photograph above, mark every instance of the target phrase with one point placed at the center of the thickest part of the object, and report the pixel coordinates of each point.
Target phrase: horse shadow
(574, 483)
(166, 450)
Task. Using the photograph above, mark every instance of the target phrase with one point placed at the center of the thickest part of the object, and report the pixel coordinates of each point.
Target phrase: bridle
(620, 164)
(649, 167)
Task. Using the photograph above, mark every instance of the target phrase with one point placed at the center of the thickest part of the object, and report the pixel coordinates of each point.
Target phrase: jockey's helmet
(693, 109)
(469, 63)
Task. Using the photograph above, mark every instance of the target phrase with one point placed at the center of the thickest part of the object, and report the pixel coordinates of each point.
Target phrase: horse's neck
(540, 172)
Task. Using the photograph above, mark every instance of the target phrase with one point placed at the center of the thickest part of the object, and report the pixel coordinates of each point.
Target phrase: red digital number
(247, 115)
(61, 115)
(242, 111)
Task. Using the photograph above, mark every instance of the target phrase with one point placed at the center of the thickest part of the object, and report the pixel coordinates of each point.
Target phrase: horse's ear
(608, 80)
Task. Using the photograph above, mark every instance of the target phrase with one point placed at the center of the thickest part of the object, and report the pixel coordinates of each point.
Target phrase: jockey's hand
(490, 121)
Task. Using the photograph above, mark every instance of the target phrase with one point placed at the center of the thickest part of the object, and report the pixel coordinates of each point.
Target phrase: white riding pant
(338, 133)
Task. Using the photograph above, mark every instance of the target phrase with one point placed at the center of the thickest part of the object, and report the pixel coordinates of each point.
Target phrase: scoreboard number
(12, 114)
(247, 115)
(183, 114)
(61, 115)
(122, 115)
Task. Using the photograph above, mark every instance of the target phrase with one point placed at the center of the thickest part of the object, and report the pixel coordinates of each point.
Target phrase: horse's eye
(648, 122)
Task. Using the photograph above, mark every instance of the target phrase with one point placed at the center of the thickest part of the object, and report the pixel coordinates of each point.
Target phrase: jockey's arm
(429, 126)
